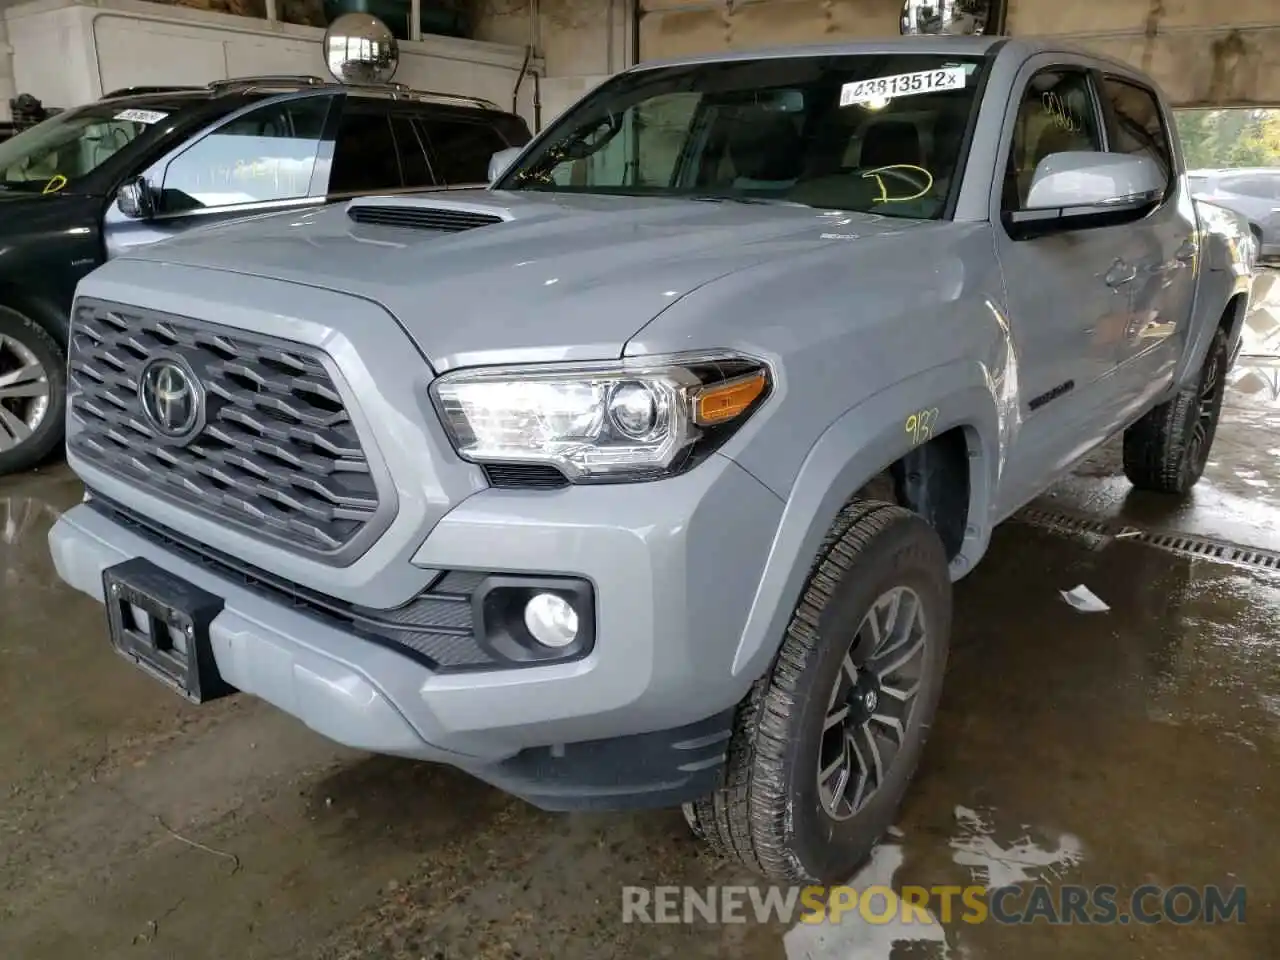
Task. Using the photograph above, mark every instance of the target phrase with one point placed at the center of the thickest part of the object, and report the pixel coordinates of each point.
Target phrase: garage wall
(675, 28)
(68, 53)
(1204, 52)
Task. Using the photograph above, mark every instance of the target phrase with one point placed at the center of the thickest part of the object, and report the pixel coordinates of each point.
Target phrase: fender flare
(857, 446)
(1223, 282)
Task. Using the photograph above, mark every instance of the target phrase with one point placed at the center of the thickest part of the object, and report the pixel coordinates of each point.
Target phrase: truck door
(1164, 252)
(1067, 284)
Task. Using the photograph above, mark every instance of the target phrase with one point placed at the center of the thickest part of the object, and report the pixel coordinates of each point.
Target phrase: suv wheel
(826, 742)
(32, 392)
(1166, 451)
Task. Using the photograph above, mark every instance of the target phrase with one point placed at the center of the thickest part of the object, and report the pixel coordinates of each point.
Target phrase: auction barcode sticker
(142, 116)
(901, 85)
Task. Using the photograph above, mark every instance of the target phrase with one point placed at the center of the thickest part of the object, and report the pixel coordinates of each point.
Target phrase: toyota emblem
(171, 399)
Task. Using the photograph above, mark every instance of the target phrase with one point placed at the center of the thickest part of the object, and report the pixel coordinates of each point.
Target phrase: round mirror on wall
(948, 17)
(360, 48)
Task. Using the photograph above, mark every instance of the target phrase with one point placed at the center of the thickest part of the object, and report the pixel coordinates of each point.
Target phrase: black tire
(769, 814)
(35, 448)
(1166, 451)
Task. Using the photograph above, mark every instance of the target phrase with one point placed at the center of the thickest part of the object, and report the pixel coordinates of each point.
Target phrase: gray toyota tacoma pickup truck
(565, 482)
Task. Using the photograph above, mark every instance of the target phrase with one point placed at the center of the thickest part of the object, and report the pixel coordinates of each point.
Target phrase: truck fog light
(551, 620)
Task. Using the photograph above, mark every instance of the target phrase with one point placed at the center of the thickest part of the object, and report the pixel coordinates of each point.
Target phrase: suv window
(364, 157)
(263, 155)
(70, 145)
(460, 149)
(1139, 126)
(413, 155)
(1056, 114)
(1253, 186)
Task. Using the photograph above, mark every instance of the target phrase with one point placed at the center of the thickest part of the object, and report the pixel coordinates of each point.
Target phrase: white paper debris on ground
(854, 938)
(996, 865)
(1084, 600)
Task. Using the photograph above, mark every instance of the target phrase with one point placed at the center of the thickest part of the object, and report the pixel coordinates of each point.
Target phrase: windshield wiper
(764, 201)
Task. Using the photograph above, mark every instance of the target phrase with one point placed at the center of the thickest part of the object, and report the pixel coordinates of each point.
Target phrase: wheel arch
(860, 445)
(36, 309)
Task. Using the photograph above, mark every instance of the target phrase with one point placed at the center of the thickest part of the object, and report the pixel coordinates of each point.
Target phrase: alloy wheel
(1208, 400)
(872, 701)
(24, 393)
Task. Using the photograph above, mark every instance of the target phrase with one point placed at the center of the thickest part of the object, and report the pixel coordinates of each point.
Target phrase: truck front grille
(274, 451)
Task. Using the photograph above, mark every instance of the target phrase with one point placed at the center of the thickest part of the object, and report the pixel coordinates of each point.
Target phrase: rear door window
(365, 155)
(460, 147)
(264, 155)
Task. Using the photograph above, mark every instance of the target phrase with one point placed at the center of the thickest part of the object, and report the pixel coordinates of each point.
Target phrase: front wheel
(1166, 451)
(32, 392)
(826, 743)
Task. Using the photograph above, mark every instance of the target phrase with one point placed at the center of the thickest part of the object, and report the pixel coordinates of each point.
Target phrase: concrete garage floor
(1136, 746)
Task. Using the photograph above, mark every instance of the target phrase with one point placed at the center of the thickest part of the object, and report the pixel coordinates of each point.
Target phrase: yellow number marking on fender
(919, 425)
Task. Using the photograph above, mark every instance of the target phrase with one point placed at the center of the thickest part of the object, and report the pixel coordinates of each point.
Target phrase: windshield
(57, 152)
(882, 133)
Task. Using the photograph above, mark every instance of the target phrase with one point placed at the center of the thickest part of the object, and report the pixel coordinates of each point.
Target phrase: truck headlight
(635, 419)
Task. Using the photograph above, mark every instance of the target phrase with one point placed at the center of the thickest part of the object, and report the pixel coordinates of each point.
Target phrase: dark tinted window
(1056, 115)
(1253, 186)
(364, 156)
(265, 154)
(460, 149)
(413, 158)
(1139, 127)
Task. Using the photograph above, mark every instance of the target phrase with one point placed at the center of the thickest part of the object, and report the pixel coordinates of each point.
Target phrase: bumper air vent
(521, 476)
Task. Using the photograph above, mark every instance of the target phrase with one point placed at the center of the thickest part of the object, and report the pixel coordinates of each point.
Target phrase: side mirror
(1087, 179)
(501, 160)
(134, 199)
(1082, 188)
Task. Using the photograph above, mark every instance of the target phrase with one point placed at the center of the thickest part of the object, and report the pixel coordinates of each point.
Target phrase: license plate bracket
(160, 623)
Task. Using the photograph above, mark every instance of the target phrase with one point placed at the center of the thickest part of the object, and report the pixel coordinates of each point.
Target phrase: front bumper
(642, 720)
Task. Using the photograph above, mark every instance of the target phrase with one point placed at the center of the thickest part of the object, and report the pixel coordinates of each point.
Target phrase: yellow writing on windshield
(56, 183)
(907, 173)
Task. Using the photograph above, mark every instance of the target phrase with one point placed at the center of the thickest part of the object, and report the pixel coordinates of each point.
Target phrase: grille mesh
(278, 453)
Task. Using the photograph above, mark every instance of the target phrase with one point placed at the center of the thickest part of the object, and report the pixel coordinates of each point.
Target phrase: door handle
(1120, 274)
(1187, 252)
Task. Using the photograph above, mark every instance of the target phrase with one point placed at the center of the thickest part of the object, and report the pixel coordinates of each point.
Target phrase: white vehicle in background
(1253, 193)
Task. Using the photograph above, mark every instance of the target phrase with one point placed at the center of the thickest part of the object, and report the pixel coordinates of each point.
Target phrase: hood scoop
(420, 213)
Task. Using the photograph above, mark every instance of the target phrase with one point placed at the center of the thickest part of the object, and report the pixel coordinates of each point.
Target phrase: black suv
(145, 163)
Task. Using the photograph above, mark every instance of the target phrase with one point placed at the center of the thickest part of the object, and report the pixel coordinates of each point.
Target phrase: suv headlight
(635, 419)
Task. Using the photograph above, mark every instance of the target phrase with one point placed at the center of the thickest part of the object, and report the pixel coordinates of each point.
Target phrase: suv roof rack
(304, 80)
(141, 90)
(389, 88)
(394, 90)
(433, 96)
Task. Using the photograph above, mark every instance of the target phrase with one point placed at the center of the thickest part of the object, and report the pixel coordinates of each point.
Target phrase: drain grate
(1188, 545)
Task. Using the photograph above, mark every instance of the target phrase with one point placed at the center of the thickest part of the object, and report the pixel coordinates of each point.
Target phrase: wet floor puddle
(1072, 752)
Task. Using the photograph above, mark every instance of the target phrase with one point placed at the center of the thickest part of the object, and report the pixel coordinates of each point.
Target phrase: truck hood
(481, 276)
